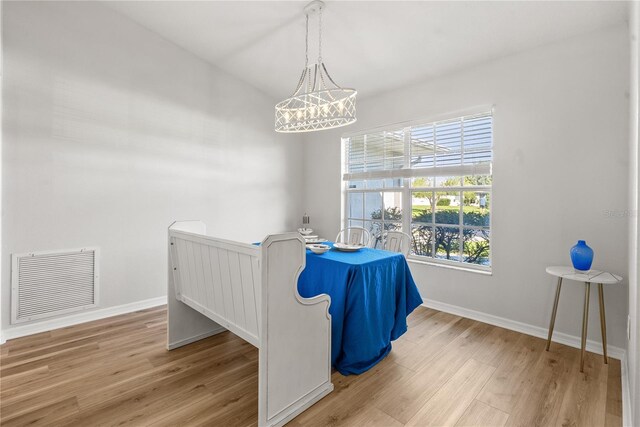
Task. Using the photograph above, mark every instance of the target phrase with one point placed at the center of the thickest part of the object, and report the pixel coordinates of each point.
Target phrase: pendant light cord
(320, 36)
(306, 43)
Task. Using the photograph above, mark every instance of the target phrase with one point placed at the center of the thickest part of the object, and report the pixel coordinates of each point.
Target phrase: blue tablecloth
(372, 293)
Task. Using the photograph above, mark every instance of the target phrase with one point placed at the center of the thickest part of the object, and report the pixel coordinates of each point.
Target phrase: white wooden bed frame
(216, 285)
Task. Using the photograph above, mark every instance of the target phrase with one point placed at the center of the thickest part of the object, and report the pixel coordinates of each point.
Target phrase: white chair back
(354, 236)
(397, 241)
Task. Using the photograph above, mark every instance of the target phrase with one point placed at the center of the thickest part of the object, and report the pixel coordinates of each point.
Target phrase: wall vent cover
(52, 283)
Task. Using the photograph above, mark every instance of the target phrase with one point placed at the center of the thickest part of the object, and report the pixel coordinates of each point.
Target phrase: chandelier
(318, 102)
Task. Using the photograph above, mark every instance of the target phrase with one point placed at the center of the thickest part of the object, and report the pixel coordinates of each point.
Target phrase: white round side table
(591, 276)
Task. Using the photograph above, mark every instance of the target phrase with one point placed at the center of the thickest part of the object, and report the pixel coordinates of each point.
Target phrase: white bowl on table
(319, 249)
(347, 248)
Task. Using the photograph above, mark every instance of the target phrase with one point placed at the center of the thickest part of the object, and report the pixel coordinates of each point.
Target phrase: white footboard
(184, 325)
(295, 348)
(252, 291)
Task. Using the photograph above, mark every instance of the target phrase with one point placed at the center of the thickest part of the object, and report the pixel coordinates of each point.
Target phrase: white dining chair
(397, 241)
(354, 236)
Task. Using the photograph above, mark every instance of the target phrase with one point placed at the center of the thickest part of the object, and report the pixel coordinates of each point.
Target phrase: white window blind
(460, 146)
(432, 180)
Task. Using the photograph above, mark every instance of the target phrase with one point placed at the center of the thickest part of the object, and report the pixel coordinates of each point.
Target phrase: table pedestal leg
(553, 313)
(603, 322)
(585, 320)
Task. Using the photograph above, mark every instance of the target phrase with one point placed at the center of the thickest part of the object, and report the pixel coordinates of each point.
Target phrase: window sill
(450, 266)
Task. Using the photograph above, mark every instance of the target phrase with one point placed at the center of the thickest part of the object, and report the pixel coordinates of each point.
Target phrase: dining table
(372, 293)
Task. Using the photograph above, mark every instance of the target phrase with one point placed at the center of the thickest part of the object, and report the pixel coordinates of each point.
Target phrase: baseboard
(627, 415)
(77, 318)
(536, 331)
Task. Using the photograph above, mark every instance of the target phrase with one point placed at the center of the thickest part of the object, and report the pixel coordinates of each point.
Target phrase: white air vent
(47, 284)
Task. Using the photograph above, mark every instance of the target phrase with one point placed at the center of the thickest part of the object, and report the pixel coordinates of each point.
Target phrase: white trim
(436, 171)
(627, 409)
(536, 331)
(63, 322)
(453, 265)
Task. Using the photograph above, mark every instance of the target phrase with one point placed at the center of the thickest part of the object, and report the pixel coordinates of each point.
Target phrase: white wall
(111, 133)
(633, 354)
(561, 138)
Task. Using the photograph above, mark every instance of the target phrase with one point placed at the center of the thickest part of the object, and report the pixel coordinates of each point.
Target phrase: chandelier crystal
(318, 102)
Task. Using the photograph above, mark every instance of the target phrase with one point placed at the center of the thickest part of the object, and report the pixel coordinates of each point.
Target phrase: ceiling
(373, 46)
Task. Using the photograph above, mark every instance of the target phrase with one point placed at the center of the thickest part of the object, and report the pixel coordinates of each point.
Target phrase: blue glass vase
(581, 256)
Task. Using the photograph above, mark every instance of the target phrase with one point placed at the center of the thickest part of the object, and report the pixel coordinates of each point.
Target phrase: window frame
(406, 190)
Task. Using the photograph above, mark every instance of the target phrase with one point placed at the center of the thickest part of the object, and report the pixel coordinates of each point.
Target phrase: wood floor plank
(430, 326)
(509, 381)
(480, 414)
(222, 361)
(431, 346)
(444, 370)
(545, 386)
(587, 394)
(44, 416)
(371, 416)
(86, 348)
(57, 336)
(614, 394)
(495, 348)
(82, 366)
(338, 408)
(68, 388)
(20, 378)
(403, 399)
(234, 406)
(32, 352)
(419, 315)
(134, 406)
(13, 367)
(97, 326)
(225, 341)
(28, 341)
(450, 402)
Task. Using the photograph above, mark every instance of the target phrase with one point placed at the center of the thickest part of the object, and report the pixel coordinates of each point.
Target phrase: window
(438, 172)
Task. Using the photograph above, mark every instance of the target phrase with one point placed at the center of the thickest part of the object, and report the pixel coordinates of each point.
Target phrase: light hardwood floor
(446, 370)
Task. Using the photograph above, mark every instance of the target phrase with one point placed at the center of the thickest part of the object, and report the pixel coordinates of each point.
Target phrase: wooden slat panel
(183, 267)
(197, 263)
(225, 275)
(251, 312)
(257, 290)
(208, 280)
(216, 276)
(236, 286)
(214, 283)
(193, 283)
